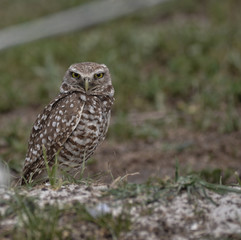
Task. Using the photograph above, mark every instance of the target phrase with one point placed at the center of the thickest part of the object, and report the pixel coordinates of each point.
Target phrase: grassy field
(184, 56)
(27, 10)
(181, 58)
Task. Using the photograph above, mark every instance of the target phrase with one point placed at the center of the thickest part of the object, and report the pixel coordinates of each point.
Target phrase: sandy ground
(177, 217)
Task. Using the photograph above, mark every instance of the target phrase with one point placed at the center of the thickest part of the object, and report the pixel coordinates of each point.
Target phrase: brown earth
(195, 151)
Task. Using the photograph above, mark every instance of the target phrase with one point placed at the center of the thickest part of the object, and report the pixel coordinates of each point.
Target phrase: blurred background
(176, 69)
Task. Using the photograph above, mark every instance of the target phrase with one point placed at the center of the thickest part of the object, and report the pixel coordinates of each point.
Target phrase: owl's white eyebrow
(99, 71)
(73, 69)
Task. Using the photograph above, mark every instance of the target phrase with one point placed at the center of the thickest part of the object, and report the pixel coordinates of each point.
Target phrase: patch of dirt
(26, 115)
(194, 151)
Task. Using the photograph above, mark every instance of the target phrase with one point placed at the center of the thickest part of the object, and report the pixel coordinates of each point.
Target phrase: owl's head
(88, 77)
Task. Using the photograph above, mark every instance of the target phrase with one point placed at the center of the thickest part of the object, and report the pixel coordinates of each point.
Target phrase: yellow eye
(98, 75)
(75, 75)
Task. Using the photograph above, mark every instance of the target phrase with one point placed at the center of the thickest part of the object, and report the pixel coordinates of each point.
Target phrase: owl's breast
(89, 132)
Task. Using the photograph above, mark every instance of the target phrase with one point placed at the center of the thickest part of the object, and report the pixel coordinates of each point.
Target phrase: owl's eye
(99, 75)
(75, 75)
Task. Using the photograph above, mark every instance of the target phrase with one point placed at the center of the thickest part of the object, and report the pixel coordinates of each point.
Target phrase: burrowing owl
(73, 124)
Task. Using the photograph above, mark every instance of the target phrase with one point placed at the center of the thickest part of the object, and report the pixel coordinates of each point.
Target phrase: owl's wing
(51, 129)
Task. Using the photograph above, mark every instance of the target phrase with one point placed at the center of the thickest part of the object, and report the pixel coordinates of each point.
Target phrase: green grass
(52, 171)
(179, 56)
(216, 175)
(58, 177)
(14, 12)
(56, 222)
(33, 222)
(158, 189)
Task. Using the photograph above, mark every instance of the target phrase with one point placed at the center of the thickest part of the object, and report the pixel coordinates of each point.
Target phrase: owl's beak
(86, 84)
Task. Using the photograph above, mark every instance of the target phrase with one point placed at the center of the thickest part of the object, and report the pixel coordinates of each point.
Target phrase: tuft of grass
(58, 177)
(53, 171)
(112, 226)
(34, 222)
(157, 189)
(238, 178)
(55, 222)
(216, 175)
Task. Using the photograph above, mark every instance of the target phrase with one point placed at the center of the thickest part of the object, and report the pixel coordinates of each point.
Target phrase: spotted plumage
(73, 124)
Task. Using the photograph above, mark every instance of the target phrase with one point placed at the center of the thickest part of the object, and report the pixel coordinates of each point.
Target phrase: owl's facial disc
(87, 81)
(89, 78)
